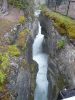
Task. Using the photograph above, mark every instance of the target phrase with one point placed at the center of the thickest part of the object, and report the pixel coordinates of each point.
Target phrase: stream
(41, 90)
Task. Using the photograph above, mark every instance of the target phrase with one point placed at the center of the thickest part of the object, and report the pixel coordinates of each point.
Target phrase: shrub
(2, 77)
(21, 19)
(60, 44)
(16, 3)
(4, 61)
(13, 50)
(22, 38)
(22, 4)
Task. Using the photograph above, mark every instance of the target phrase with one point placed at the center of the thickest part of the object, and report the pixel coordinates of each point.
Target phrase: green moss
(63, 24)
(13, 50)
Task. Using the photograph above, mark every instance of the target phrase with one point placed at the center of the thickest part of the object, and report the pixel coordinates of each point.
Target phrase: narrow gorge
(37, 49)
(41, 91)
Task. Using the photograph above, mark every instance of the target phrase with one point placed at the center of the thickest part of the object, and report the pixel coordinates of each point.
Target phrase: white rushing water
(41, 58)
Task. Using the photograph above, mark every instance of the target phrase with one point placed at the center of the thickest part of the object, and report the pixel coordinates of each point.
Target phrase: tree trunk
(4, 6)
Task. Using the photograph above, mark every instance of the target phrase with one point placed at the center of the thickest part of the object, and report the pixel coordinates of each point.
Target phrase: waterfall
(41, 58)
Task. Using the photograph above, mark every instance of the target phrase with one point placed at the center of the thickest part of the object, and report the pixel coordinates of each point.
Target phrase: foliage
(60, 44)
(13, 50)
(21, 19)
(10, 50)
(16, 3)
(23, 4)
(64, 25)
(22, 40)
(42, 6)
(4, 61)
(2, 77)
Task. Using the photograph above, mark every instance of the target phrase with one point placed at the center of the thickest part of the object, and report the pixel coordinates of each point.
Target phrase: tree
(4, 6)
(52, 3)
(25, 5)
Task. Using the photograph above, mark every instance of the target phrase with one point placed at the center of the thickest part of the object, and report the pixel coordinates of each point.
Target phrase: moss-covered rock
(64, 25)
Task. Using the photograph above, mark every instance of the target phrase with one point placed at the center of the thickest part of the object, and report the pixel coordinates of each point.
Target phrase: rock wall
(61, 71)
(26, 78)
(21, 73)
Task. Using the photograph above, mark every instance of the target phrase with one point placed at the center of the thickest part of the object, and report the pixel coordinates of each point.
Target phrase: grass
(64, 25)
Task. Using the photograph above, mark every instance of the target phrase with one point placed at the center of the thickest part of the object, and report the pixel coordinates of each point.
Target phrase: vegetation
(13, 50)
(4, 62)
(4, 59)
(9, 36)
(64, 24)
(23, 4)
(21, 19)
(60, 44)
(10, 50)
(17, 3)
(21, 41)
(2, 77)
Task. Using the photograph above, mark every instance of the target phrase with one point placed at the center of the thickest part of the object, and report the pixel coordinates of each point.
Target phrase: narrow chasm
(41, 90)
